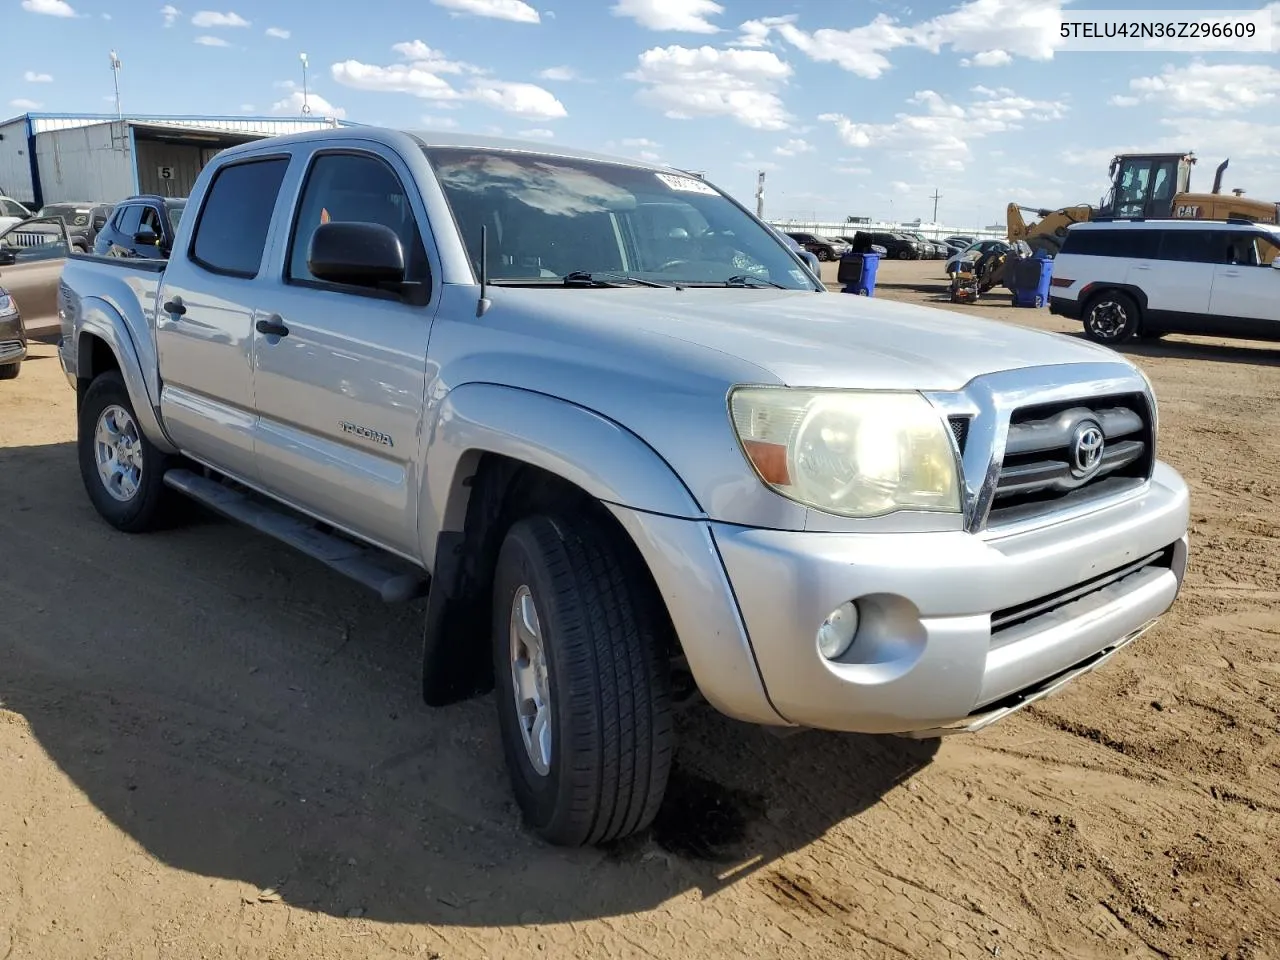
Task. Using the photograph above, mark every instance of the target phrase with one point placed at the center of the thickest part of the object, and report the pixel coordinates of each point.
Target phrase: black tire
(825, 255)
(605, 635)
(905, 254)
(1111, 317)
(145, 509)
(10, 371)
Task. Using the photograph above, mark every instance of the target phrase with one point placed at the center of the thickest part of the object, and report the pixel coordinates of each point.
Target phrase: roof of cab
(443, 139)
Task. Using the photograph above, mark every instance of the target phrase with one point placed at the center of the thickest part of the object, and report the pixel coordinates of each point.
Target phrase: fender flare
(589, 450)
(100, 320)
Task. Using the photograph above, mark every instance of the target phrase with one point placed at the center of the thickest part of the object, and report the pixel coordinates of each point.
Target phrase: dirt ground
(211, 747)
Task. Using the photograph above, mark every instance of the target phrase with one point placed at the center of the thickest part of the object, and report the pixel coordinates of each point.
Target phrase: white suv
(1145, 278)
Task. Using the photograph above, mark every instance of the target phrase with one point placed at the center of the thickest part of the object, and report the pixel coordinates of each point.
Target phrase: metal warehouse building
(50, 157)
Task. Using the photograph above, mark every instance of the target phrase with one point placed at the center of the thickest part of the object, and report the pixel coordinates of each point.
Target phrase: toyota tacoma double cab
(621, 439)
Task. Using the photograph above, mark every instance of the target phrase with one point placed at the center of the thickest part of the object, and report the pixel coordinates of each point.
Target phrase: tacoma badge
(366, 432)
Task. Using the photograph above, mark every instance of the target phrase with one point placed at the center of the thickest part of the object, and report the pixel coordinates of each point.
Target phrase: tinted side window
(1143, 244)
(357, 188)
(151, 220)
(232, 232)
(1193, 246)
(128, 219)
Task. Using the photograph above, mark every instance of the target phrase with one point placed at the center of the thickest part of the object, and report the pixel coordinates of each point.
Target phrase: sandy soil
(211, 747)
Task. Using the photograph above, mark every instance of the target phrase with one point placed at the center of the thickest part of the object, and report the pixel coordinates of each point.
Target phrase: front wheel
(1111, 317)
(580, 655)
(825, 255)
(122, 472)
(10, 371)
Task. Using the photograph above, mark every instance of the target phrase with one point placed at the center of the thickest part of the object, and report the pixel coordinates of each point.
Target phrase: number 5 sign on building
(164, 173)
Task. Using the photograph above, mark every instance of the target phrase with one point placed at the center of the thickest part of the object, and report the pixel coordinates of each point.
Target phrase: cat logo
(366, 433)
(1187, 212)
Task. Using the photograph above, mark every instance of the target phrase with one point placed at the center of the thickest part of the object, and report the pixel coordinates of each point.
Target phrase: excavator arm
(1048, 231)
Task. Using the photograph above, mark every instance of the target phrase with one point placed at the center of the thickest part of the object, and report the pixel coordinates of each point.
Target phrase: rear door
(340, 394)
(32, 255)
(205, 315)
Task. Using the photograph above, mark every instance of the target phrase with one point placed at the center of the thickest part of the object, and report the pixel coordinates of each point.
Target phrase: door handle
(176, 307)
(1231, 273)
(1142, 266)
(272, 326)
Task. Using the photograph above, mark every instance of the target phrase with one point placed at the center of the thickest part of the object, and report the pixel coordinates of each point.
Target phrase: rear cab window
(235, 219)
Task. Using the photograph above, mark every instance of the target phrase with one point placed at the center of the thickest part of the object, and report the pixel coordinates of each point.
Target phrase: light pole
(306, 107)
(115, 76)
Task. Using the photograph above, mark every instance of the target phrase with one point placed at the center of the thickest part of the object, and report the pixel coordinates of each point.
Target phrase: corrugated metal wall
(91, 163)
(183, 162)
(264, 126)
(15, 164)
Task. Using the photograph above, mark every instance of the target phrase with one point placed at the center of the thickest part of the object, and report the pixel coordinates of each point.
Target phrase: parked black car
(824, 248)
(84, 220)
(895, 246)
(142, 226)
(13, 337)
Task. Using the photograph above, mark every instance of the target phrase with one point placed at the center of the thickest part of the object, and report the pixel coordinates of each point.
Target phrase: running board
(392, 579)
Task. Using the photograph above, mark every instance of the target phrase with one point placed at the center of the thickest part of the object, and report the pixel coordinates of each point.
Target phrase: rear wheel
(825, 255)
(10, 371)
(123, 473)
(583, 690)
(1111, 317)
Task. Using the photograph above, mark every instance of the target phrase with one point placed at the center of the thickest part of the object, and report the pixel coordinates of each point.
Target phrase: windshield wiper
(747, 280)
(588, 278)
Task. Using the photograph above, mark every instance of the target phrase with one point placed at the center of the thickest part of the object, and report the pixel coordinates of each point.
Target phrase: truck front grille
(1058, 455)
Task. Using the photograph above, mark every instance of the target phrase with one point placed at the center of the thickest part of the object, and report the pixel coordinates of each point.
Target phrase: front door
(205, 316)
(32, 255)
(341, 371)
(1248, 286)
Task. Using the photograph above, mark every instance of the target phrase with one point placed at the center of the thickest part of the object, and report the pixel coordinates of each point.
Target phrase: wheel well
(95, 359)
(501, 490)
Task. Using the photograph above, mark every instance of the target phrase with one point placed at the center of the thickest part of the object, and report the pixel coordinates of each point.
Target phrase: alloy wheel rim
(530, 685)
(117, 451)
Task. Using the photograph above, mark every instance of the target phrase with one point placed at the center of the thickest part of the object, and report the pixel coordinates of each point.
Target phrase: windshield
(549, 217)
(73, 215)
(175, 208)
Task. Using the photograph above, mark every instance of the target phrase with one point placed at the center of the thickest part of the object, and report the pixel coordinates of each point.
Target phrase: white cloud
(293, 103)
(170, 14)
(649, 156)
(563, 74)
(247, 108)
(50, 8)
(687, 16)
(425, 58)
(280, 33)
(538, 133)
(521, 99)
(439, 123)
(1120, 100)
(940, 137)
(989, 58)
(207, 41)
(853, 171)
(1215, 88)
(421, 76)
(22, 103)
(32, 77)
(211, 18)
(640, 142)
(793, 148)
(995, 31)
(516, 10)
(106, 16)
(685, 83)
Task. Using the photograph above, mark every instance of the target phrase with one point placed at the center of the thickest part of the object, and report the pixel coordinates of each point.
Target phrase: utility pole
(935, 198)
(760, 195)
(115, 76)
(306, 107)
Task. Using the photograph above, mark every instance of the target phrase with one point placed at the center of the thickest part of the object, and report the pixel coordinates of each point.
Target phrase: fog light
(836, 634)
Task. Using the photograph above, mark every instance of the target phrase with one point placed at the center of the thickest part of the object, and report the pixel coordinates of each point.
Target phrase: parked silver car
(615, 429)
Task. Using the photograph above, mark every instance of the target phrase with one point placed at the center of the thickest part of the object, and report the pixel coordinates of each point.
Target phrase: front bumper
(13, 340)
(926, 658)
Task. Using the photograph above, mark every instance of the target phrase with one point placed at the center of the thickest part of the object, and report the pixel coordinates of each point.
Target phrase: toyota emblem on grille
(1086, 448)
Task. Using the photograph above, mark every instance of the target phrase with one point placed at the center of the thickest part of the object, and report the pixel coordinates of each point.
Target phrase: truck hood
(812, 339)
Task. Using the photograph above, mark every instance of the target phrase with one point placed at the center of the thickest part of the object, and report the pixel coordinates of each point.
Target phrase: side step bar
(392, 579)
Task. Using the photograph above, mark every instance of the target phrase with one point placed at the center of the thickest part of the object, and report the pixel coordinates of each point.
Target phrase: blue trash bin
(1031, 280)
(857, 273)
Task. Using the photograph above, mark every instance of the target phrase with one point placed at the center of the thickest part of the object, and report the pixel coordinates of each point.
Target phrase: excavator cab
(1144, 184)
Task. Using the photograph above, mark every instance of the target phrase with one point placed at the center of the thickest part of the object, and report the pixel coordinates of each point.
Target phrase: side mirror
(8, 258)
(356, 254)
(146, 238)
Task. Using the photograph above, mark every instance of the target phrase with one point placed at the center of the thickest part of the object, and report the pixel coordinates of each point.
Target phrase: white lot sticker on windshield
(685, 184)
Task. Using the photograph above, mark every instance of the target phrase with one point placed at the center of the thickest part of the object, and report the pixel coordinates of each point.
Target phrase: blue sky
(853, 107)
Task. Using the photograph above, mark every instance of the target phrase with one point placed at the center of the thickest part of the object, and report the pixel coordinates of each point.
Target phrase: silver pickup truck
(622, 439)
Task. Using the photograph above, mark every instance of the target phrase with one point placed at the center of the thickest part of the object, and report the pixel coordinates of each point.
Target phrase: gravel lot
(211, 747)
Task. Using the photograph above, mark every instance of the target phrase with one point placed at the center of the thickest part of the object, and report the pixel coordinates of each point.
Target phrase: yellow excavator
(1153, 186)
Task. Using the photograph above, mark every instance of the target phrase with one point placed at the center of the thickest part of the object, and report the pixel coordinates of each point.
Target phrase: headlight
(848, 452)
(7, 306)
